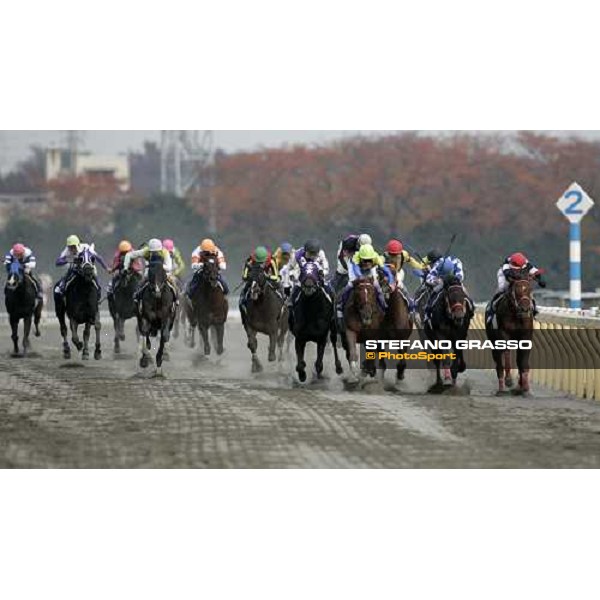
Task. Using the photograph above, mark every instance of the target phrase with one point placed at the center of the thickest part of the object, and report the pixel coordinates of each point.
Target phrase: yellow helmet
(208, 246)
(73, 240)
(125, 246)
(367, 252)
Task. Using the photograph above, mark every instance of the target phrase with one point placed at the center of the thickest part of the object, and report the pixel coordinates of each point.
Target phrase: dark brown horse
(265, 312)
(397, 325)
(449, 321)
(208, 309)
(512, 320)
(362, 314)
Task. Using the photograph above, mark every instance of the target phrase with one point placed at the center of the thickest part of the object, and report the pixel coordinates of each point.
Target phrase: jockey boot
(224, 284)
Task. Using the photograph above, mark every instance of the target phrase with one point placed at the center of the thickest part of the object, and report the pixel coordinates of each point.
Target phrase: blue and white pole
(576, 265)
(575, 204)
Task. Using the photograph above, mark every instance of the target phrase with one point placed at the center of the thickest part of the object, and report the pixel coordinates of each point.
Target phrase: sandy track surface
(215, 414)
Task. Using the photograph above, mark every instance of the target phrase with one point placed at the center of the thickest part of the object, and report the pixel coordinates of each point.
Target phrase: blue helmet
(286, 248)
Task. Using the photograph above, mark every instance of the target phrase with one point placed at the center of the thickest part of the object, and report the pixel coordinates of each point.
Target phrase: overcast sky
(14, 144)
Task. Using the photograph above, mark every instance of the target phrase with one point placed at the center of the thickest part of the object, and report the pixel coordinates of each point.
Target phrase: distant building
(63, 163)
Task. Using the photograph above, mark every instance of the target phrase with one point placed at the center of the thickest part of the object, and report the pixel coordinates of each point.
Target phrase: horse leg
(282, 334)
(273, 347)
(116, 322)
(205, 339)
(338, 363)
(165, 335)
(523, 365)
(320, 355)
(220, 337)
(75, 336)
(352, 356)
(508, 380)
(300, 364)
(144, 349)
(37, 317)
(87, 328)
(14, 325)
(500, 360)
(26, 331)
(253, 347)
(64, 334)
(401, 370)
(98, 330)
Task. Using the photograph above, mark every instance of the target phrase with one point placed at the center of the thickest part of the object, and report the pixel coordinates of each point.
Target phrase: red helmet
(394, 248)
(18, 250)
(518, 260)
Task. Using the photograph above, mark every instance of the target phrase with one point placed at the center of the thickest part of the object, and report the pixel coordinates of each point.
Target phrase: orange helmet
(208, 246)
(125, 246)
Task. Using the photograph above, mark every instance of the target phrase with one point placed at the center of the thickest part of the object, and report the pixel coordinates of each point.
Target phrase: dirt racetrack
(215, 414)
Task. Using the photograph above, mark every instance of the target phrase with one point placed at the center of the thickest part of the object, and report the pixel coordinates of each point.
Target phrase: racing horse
(265, 312)
(81, 307)
(512, 319)
(121, 303)
(312, 319)
(450, 320)
(157, 311)
(362, 314)
(397, 324)
(20, 300)
(208, 308)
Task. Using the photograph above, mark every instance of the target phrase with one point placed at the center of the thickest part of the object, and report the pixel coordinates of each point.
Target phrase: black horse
(450, 319)
(312, 319)
(265, 312)
(157, 313)
(80, 304)
(21, 305)
(208, 308)
(121, 303)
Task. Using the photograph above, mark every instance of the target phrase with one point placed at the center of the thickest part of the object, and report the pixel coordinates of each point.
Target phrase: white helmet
(365, 240)
(155, 245)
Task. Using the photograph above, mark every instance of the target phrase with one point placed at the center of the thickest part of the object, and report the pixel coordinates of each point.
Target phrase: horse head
(310, 279)
(521, 294)
(365, 300)
(210, 273)
(258, 277)
(157, 276)
(456, 300)
(85, 264)
(15, 276)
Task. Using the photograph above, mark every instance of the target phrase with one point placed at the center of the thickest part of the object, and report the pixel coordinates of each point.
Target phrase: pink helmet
(18, 250)
(169, 245)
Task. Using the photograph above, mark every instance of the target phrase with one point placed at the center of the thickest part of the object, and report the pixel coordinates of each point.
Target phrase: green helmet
(367, 252)
(261, 254)
(73, 240)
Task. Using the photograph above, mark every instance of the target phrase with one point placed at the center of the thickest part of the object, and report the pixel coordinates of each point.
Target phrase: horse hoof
(272, 358)
(339, 370)
(257, 367)
(436, 388)
(144, 362)
(37, 334)
(508, 382)
(85, 356)
(98, 355)
(502, 394)
(79, 346)
(122, 338)
(117, 350)
(302, 376)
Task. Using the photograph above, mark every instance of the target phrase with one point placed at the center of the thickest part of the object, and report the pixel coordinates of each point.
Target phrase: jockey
(518, 264)
(514, 266)
(347, 249)
(154, 249)
(68, 257)
(311, 252)
(444, 269)
(284, 259)
(176, 257)
(396, 257)
(207, 250)
(117, 267)
(262, 257)
(367, 263)
(24, 255)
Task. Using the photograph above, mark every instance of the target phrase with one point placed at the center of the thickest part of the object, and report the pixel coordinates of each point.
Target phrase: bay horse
(312, 320)
(265, 313)
(20, 300)
(513, 319)
(121, 303)
(362, 314)
(397, 323)
(156, 314)
(450, 320)
(208, 309)
(81, 307)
